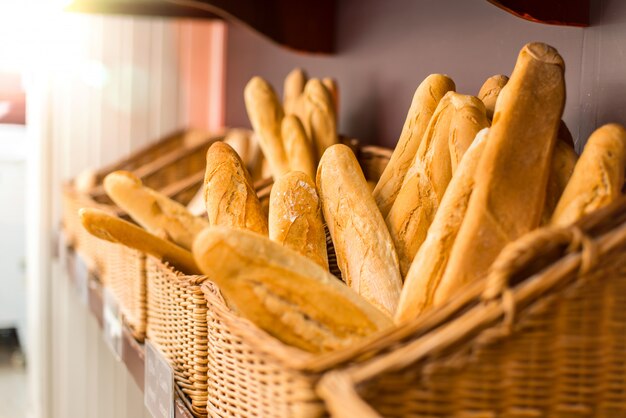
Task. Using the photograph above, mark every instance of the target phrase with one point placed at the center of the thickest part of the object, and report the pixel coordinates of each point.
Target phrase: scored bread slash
(598, 176)
(365, 252)
(285, 293)
(154, 211)
(295, 217)
(229, 197)
(425, 101)
(113, 229)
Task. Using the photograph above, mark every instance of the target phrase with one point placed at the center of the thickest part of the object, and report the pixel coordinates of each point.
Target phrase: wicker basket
(175, 166)
(223, 363)
(543, 336)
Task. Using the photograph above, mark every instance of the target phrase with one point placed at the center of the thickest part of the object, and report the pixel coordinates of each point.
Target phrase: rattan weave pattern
(552, 344)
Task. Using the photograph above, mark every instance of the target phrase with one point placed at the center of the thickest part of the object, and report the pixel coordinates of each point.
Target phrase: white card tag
(81, 274)
(112, 323)
(158, 384)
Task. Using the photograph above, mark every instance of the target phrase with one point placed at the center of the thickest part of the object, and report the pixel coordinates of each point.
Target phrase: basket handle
(520, 253)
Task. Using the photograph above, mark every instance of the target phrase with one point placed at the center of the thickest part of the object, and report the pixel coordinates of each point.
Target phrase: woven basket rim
(461, 320)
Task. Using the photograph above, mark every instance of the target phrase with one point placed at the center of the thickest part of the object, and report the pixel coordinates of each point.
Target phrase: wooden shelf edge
(304, 26)
(133, 354)
(552, 12)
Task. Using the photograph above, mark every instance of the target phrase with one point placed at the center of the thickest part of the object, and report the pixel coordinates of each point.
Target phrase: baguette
(512, 175)
(561, 169)
(320, 120)
(598, 176)
(490, 91)
(365, 252)
(266, 115)
(424, 103)
(155, 212)
(293, 88)
(111, 228)
(285, 293)
(297, 146)
(230, 199)
(295, 217)
(452, 128)
(430, 262)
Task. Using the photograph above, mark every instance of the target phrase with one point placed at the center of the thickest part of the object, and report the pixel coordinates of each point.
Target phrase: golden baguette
(283, 292)
(295, 217)
(111, 228)
(425, 101)
(155, 212)
(430, 262)
(266, 114)
(561, 169)
(298, 147)
(512, 175)
(365, 252)
(320, 120)
(293, 88)
(598, 176)
(490, 90)
(228, 195)
(452, 128)
(333, 89)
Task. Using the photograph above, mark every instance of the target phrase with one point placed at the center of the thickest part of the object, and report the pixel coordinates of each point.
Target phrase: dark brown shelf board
(303, 26)
(133, 354)
(552, 12)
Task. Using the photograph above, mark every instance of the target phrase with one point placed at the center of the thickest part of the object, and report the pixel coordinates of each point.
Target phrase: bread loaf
(490, 91)
(229, 197)
(155, 212)
(295, 217)
(598, 176)
(320, 120)
(365, 253)
(431, 259)
(86, 181)
(424, 103)
(283, 292)
(561, 169)
(452, 128)
(114, 229)
(266, 115)
(298, 147)
(293, 88)
(510, 188)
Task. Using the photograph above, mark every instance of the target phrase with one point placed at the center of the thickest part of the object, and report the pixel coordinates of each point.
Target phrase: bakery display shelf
(132, 353)
(307, 26)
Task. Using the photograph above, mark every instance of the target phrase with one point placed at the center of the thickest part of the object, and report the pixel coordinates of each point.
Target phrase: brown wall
(385, 48)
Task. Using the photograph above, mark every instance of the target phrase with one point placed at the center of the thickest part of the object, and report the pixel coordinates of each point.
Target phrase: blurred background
(79, 91)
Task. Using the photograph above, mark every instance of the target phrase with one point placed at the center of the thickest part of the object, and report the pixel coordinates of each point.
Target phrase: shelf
(553, 12)
(304, 26)
(132, 352)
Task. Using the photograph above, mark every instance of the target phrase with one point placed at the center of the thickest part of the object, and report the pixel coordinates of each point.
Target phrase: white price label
(81, 274)
(112, 323)
(158, 384)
